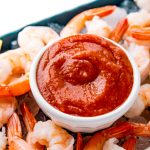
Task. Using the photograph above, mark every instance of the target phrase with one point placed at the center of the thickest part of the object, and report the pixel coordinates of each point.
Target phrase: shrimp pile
(132, 31)
(40, 133)
(109, 137)
(50, 139)
(15, 67)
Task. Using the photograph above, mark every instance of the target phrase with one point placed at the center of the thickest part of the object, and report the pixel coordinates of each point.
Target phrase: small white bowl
(84, 124)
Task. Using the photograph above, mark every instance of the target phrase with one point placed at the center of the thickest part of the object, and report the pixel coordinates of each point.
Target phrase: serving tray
(57, 22)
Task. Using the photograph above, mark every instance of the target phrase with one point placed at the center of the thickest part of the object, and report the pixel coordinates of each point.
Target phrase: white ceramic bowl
(84, 124)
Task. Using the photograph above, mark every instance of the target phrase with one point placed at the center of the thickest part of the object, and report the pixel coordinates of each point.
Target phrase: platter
(127, 132)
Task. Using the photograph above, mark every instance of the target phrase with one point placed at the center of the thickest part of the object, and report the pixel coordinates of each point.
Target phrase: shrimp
(99, 27)
(7, 107)
(14, 132)
(140, 18)
(119, 131)
(32, 38)
(3, 139)
(15, 64)
(139, 31)
(14, 73)
(137, 39)
(141, 56)
(30, 122)
(56, 138)
(52, 136)
(76, 24)
(141, 103)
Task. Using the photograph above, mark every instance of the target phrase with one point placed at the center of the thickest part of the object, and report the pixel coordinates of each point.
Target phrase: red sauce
(84, 75)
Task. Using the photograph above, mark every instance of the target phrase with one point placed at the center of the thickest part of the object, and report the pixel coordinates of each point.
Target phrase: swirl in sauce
(84, 75)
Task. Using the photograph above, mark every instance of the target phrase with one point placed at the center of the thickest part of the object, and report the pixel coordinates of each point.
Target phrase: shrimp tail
(76, 24)
(130, 143)
(79, 145)
(5, 91)
(98, 140)
(120, 30)
(14, 127)
(141, 129)
(101, 12)
(141, 33)
(28, 117)
(16, 88)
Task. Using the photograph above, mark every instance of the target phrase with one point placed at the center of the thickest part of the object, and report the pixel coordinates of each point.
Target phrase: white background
(15, 14)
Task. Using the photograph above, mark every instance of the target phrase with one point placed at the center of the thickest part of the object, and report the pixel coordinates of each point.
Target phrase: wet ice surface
(14, 44)
(41, 116)
(138, 119)
(55, 26)
(142, 143)
(30, 101)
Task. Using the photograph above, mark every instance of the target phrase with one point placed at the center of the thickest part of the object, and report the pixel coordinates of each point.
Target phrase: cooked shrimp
(100, 27)
(141, 56)
(139, 30)
(7, 107)
(122, 130)
(3, 139)
(140, 18)
(141, 103)
(30, 122)
(52, 136)
(15, 64)
(15, 139)
(137, 41)
(76, 24)
(14, 133)
(14, 73)
(32, 38)
(141, 35)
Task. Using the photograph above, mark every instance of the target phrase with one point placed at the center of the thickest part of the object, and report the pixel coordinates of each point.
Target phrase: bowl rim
(116, 113)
